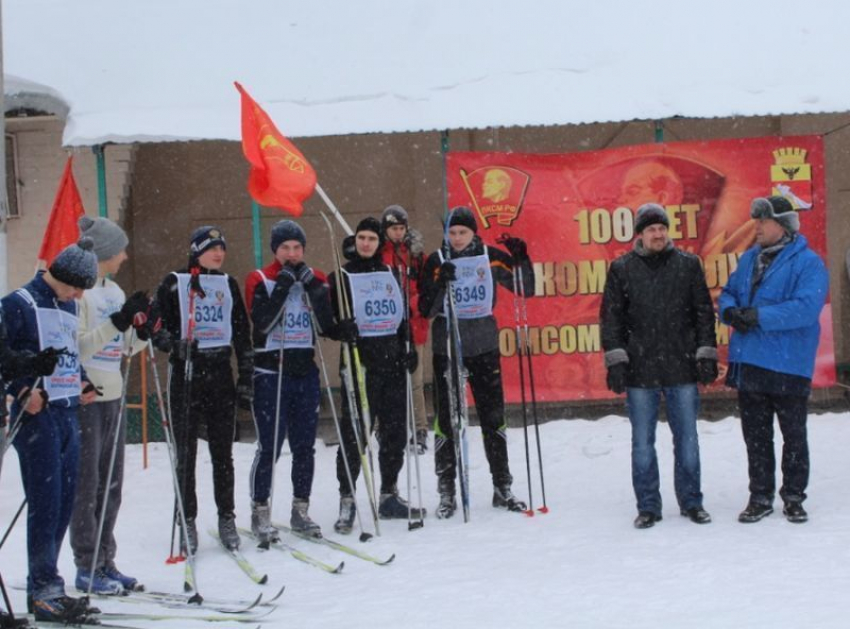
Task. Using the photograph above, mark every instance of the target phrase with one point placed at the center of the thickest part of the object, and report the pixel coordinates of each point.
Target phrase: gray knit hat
(779, 209)
(650, 214)
(287, 230)
(109, 239)
(393, 215)
(76, 265)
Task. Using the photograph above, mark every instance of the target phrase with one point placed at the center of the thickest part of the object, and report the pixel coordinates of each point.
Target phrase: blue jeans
(682, 407)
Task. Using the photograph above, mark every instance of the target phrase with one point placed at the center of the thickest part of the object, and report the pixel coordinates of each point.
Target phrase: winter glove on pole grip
(346, 331)
(137, 303)
(44, 363)
(447, 273)
(616, 379)
(707, 371)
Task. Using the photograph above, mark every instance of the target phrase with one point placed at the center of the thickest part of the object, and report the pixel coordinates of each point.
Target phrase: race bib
(473, 288)
(103, 301)
(377, 302)
(297, 330)
(211, 313)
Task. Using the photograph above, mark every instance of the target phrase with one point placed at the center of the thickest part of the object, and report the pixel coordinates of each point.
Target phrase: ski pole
(519, 350)
(12, 523)
(364, 536)
(15, 425)
(275, 446)
(544, 508)
(102, 519)
(13, 622)
(172, 461)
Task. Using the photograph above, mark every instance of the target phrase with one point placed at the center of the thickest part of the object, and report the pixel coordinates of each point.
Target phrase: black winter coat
(658, 309)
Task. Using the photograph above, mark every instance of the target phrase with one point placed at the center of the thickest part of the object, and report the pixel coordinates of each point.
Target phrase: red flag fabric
(62, 229)
(280, 175)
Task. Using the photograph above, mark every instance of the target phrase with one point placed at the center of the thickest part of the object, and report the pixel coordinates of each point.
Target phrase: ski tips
(338, 568)
(365, 537)
(412, 526)
(384, 563)
(197, 599)
(263, 580)
(543, 509)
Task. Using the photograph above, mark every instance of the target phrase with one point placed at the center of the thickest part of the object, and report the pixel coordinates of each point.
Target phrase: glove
(410, 360)
(349, 249)
(138, 302)
(346, 331)
(183, 348)
(162, 340)
(286, 276)
(616, 379)
(707, 370)
(516, 246)
(90, 387)
(151, 326)
(447, 273)
(304, 273)
(742, 319)
(44, 363)
(244, 393)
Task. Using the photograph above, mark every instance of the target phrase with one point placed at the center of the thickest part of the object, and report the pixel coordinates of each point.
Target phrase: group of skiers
(71, 326)
(64, 334)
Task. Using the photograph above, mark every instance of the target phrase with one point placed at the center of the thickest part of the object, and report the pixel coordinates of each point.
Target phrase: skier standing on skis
(281, 298)
(403, 250)
(105, 336)
(474, 269)
(213, 301)
(376, 301)
(44, 314)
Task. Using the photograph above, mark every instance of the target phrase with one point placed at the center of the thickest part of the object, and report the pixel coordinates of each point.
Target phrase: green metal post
(659, 131)
(101, 180)
(444, 150)
(255, 224)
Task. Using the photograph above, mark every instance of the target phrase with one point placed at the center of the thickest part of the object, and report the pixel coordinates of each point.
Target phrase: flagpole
(333, 210)
(255, 228)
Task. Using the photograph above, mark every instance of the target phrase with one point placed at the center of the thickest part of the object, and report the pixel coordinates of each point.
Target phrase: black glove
(138, 302)
(617, 374)
(244, 393)
(162, 340)
(346, 331)
(149, 328)
(742, 319)
(286, 276)
(707, 370)
(349, 249)
(303, 273)
(183, 348)
(516, 246)
(410, 360)
(447, 273)
(90, 387)
(44, 363)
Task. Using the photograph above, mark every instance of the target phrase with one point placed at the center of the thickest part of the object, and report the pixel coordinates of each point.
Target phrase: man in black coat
(659, 338)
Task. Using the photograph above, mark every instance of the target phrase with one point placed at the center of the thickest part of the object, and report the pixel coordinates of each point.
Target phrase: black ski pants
(213, 403)
(485, 379)
(757, 411)
(387, 397)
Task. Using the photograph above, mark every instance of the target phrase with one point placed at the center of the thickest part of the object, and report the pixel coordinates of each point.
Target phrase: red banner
(576, 213)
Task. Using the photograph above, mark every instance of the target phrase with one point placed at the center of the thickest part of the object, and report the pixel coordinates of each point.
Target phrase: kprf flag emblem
(280, 175)
(791, 177)
(496, 192)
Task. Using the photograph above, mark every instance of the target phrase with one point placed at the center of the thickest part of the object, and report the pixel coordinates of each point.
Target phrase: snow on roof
(163, 69)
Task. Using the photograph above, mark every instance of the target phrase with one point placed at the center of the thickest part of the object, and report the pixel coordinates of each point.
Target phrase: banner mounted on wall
(576, 213)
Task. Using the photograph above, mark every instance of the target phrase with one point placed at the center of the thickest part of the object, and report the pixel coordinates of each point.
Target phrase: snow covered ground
(582, 565)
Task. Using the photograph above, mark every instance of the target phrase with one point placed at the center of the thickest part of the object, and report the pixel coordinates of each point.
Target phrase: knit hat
(393, 215)
(206, 237)
(369, 224)
(287, 230)
(109, 239)
(76, 265)
(779, 209)
(650, 214)
(463, 216)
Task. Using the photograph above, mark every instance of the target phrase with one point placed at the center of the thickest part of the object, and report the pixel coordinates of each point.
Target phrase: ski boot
(131, 584)
(191, 535)
(503, 498)
(347, 512)
(7, 621)
(419, 441)
(99, 584)
(261, 523)
(448, 503)
(300, 520)
(227, 532)
(394, 507)
(64, 610)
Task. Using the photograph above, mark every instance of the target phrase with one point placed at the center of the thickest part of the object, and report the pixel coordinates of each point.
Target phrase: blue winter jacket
(22, 327)
(789, 300)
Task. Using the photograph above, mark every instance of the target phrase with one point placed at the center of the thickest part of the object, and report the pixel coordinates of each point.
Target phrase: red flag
(280, 175)
(62, 229)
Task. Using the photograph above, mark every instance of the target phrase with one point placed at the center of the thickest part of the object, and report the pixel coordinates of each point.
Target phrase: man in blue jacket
(773, 301)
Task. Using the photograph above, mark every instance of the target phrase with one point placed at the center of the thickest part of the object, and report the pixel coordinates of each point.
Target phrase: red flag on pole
(280, 175)
(62, 229)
